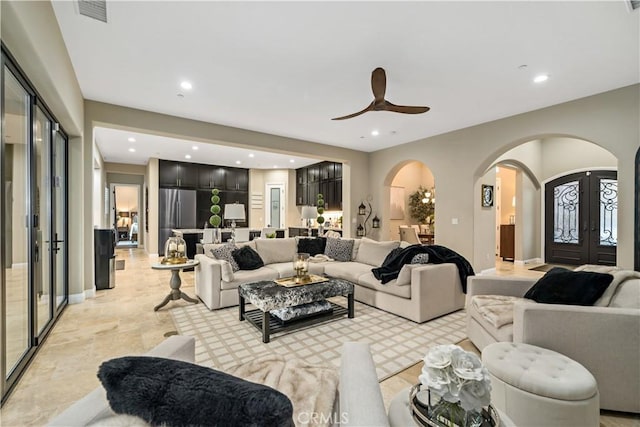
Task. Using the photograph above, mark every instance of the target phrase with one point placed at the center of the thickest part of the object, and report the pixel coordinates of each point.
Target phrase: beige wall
(459, 159)
(563, 155)
(258, 179)
(507, 178)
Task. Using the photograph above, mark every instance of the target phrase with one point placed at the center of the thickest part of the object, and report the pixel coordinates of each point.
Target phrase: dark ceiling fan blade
(369, 108)
(404, 108)
(378, 84)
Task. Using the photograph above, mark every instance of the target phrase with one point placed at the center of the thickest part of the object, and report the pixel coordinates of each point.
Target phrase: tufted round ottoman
(539, 387)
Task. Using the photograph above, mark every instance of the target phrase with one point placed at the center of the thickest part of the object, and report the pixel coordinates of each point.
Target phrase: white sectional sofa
(423, 292)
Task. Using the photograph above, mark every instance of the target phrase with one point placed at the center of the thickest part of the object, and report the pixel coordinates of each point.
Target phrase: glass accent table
(175, 282)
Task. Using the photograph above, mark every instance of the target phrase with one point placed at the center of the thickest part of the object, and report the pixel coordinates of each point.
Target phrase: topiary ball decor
(320, 209)
(215, 219)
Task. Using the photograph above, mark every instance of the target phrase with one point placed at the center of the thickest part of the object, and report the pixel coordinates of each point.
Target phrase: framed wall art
(487, 196)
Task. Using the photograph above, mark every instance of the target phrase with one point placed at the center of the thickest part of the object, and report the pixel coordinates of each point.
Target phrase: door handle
(593, 225)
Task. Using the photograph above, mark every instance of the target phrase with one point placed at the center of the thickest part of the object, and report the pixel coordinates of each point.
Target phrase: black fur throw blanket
(393, 263)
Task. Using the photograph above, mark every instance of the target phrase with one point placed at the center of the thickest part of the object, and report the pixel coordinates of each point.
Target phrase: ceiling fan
(379, 86)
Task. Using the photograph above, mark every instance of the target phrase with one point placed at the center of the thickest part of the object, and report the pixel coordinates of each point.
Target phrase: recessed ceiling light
(194, 148)
(291, 161)
(375, 133)
(238, 162)
(187, 156)
(186, 85)
(132, 150)
(541, 78)
(251, 155)
(131, 139)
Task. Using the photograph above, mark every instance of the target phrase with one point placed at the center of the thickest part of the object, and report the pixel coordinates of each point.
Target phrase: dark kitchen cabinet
(177, 175)
(325, 178)
(211, 176)
(237, 179)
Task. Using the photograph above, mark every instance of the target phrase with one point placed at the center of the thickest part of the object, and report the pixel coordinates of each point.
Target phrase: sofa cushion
(248, 276)
(226, 270)
(368, 280)
(627, 295)
(276, 250)
(247, 258)
(339, 249)
(503, 333)
(374, 253)
(312, 246)
(283, 269)
(562, 286)
(350, 270)
(404, 277)
(175, 393)
(224, 253)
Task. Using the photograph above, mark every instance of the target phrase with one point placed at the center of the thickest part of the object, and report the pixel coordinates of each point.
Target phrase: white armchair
(605, 340)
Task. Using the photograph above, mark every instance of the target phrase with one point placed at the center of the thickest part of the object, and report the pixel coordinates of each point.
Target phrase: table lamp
(309, 213)
(234, 212)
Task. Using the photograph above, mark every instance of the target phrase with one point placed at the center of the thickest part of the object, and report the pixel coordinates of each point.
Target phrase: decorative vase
(301, 267)
(429, 409)
(217, 235)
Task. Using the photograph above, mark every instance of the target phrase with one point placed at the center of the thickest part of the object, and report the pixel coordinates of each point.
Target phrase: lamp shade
(309, 212)
(234, 211)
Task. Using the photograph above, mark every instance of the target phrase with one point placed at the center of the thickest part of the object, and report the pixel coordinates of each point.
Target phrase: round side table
(175, 282)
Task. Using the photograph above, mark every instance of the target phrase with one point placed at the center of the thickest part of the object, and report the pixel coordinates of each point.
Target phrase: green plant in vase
(215, 220)
(320, 219)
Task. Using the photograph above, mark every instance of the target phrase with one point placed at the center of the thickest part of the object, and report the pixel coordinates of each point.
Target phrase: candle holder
(301, 267)
(175, 251)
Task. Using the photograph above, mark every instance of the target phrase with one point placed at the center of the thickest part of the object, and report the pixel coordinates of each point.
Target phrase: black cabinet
(177, 175)
(325, 178)
(211, 176)
(237, 179)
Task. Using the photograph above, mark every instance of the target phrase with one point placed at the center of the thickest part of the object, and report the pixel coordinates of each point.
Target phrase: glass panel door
(274, 215)
(15, 240)
(59, 212)
(41, 208)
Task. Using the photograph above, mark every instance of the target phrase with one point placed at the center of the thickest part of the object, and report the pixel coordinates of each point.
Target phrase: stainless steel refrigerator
(177, 210)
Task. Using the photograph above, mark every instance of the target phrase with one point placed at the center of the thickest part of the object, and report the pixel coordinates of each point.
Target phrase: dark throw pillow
(175, 393)
(312, 246)
(562, 286)
(247, 258)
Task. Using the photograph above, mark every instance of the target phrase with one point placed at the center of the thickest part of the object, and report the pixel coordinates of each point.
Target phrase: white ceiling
(287, 68)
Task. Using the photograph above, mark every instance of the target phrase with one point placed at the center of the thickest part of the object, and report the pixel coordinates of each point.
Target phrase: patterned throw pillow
(339, 249)
(224, 253)
(420, 259)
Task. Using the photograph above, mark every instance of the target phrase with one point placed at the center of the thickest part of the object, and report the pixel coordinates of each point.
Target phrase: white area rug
(222, 341)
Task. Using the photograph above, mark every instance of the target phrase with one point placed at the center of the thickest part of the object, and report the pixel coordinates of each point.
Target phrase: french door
(581, 218)
(33, 233)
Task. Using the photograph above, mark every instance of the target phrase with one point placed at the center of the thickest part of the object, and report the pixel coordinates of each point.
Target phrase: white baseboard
(487, 272)
(81, 297)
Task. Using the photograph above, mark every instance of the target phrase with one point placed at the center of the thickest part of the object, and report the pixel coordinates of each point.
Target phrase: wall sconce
(376, 222)
(362, 209)
(360, 231)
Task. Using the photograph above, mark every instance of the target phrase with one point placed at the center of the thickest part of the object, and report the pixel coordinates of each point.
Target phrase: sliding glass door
(33, 202)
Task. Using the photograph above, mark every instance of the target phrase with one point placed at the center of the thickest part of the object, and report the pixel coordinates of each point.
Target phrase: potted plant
(422, 205)
(320, 219)
(215, 220)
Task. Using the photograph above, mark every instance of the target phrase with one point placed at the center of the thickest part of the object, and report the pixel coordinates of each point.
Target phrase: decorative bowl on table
(175, 251)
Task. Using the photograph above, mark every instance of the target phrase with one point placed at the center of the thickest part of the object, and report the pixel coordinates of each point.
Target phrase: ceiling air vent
(96, 9)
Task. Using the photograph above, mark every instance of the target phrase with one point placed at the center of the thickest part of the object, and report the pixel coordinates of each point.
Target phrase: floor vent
(96, 9)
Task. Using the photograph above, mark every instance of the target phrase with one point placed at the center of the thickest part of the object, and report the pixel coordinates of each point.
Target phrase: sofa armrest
(208, 280)
(361, 402)
(603, 339)
(94, 406)
(498, 285)
(437, 289)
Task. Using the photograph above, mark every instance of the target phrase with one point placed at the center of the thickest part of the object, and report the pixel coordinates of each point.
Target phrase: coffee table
(268, 295)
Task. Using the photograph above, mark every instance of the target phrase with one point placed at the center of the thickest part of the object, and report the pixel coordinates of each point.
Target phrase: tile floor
(121, 321)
